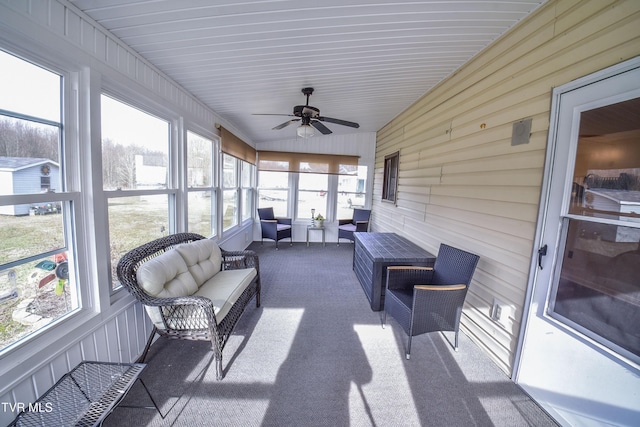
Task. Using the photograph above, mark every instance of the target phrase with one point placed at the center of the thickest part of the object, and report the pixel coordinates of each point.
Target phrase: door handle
(541, 252)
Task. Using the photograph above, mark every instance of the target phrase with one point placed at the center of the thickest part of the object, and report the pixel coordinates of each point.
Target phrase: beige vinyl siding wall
(461, 181)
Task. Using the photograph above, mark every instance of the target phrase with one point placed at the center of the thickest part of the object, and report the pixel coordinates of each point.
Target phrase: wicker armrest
(406, 276)
(234, 260)
(344, 221)
(187, 300)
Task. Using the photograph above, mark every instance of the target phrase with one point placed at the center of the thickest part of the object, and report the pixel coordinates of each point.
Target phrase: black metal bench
(85, 396)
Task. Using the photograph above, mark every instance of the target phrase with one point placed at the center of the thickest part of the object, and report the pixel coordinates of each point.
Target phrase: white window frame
(74, 173)
(213, 188)
(171, 189)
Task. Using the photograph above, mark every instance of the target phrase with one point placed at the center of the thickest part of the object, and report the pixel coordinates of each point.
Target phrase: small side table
(311, 227)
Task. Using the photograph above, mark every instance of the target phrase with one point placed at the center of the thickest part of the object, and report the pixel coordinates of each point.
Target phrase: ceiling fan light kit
(305, 131)
(310, 118)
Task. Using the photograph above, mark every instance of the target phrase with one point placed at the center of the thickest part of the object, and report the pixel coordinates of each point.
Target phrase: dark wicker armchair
(274, 228)
(189, 317)
(426, 299)
(359, 223)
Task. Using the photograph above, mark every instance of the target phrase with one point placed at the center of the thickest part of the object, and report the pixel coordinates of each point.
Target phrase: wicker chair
(430, 299)
(272, 227)
(189, 317)
(359, 223)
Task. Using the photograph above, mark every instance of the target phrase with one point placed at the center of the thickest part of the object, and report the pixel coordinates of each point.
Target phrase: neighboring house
(26, 175)
(151, 171)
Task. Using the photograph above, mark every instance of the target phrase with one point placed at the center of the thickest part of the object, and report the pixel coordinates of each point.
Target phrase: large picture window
(352, 192)
(135, 171)
(312, 195)
(201, 201)
(273, 191)
(248, 171)
(229, 191)
(329, 185)
(38, 283)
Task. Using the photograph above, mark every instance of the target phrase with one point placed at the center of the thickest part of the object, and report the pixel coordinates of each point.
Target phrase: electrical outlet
(500, 312)
(496, 310)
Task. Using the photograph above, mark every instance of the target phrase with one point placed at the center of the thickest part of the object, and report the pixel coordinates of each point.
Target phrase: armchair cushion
(348, 227)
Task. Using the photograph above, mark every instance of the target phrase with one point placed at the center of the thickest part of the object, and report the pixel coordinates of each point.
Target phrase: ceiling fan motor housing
(305, 110)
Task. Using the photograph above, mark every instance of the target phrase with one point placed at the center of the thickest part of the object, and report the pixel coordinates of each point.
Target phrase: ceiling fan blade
(267, 114)
(322, 128)
(285, 124)
(339, 122)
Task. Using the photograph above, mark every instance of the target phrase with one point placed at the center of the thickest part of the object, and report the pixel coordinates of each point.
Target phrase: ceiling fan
(310, 118)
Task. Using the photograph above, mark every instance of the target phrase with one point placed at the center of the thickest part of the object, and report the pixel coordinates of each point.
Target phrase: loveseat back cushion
(166, 276)
(203, 258)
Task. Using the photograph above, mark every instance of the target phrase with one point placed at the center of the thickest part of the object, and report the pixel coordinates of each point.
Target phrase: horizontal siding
(461, 181)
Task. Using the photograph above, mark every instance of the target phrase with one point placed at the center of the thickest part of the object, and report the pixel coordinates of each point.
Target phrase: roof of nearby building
(17, 163)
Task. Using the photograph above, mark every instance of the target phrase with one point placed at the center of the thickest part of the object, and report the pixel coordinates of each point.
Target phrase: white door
(580, 352)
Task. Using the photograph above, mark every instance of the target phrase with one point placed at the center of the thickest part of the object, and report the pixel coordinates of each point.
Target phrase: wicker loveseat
(191, 289)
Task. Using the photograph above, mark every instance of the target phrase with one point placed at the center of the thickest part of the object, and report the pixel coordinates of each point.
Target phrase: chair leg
(146, 347)
(456, 341)
(384, 318)
(219, 372)
(408, 355)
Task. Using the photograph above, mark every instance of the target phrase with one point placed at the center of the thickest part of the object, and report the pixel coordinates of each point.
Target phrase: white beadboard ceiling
(367, 60)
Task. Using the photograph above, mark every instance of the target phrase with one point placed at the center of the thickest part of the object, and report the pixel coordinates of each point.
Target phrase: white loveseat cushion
(166, 276)
(193, 269)
(225, 288)
(203, 259)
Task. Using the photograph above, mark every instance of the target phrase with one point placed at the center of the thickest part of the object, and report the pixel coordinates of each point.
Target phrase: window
(201, 201)
(273, 191)
(352, 192)
(135, 149)
(312, 195)
(45, 183)
(229, 191)
(38, 283)
(390, 182)
(597, 286)
(248, 170)
(330, 185)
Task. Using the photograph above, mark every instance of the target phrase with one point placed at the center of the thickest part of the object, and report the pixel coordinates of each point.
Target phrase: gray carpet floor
(315, 354)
